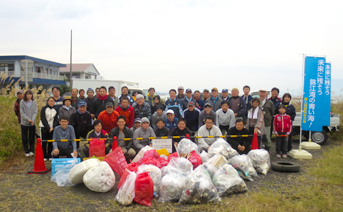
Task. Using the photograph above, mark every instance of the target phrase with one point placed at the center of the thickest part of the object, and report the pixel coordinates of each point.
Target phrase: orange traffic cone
(115, 143)
(254, 144)
(39, 167)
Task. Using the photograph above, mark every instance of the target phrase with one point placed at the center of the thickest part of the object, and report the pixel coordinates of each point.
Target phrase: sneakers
(31, 154)
(284, 156)
(50, 159)
(27, 154)
(278, 156)
(45, 160)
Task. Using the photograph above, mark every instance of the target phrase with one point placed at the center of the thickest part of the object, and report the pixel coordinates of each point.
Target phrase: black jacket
(243, 108)
(91, 104)
(177, 132)
(100, 105)
(290, 110)
(243, 141)
(82, 123)
(162, 132)
(192, 119)
(128, 134)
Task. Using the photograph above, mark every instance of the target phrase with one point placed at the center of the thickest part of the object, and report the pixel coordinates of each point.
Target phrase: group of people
(102, 114)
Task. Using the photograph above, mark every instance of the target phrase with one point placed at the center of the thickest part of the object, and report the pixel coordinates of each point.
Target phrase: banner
(313, 94)
(327, 95)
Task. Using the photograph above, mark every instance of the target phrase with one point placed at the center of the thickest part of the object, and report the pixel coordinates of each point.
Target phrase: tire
(319, 137)
(282, 166)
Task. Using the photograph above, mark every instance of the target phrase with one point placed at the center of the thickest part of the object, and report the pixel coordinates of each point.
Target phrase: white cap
(262, 89)
(170, 111)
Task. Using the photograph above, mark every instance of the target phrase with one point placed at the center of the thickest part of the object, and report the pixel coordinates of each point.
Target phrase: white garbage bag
(222, 147)
(77, 172)
(185, 146)
(260, 159)
(204, 156)
(126, 193)
(243, 164)
(211, 169)
(100, 178)
(217, 160)
(171, 187)
(181, 164)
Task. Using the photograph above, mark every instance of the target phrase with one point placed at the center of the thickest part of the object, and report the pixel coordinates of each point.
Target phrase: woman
(290, 110)
(255, 120)
(66, 110)
(157, 102)
(180, 130)
(28, 113)
(97, 132)
(47, 124)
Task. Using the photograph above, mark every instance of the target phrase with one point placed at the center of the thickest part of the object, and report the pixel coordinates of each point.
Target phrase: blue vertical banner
(313, 94)
(327, 95)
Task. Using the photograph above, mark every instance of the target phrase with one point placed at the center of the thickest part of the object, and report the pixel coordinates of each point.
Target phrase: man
(64, 131)
(241, 144)
(97, 92)
(133, 99)
(58, 99)
(206, 94)
(174, 104)
(199, 103)
(143, 132)
(101, 101)
(150, 97)
(74, 99)
(20, 96)
(126, 110)
(109, 117)
(247, 97)
(207, 112)
(141, 108)
(225, 94)
(159, 114)
(192, 117)
(188, 98)
(171, 121)
(225, 117)
(136, 125)
(268, 115)
(237, 104)
(209, 129)
(112, 95)
(275, 98)
(180, 94)
(214, 100)
(124, 92)
(82, 94)
(90, 100)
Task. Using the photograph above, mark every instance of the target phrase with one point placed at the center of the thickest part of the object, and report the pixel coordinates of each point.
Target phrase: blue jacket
(171, 125)
(176, 106)
(247, 101)
(201, 104)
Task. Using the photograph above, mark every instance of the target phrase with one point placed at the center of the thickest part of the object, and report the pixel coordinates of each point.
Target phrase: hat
(256, 98)
(170, 111)
(145, 119)
(208, 104)
(225, 90)
(262, 89)
(214, 89)
(190, 103)
(109, 104)
(90, 89)
(82, 103)
(180, 88)
(189, 90)
(235, 89)
(67, 98)
(206, 90)
(138, 120)
(20, 91)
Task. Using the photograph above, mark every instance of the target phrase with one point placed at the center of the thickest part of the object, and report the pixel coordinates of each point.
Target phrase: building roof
(78, 67)
(23, 57)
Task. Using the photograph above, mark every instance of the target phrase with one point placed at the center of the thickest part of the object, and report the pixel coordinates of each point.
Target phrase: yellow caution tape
(151, 137)
(211, 136)
(176, 136)
(233, 136)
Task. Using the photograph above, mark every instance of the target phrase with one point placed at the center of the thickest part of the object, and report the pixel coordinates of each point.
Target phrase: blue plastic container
(58, 163)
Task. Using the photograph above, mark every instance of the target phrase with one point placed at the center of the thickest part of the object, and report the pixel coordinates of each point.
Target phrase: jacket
(275, 101)
(141, 133)
(132, 100)
(28, 113)
(258, 123)
(115, 101)
(128, 113)
(176, 106)
(91, 105)
(155, 117)
(216, 103)
(177, 132)
(204, 143)
(82, 123)
(76, 103)
(103, 134)
(247, 101)
(192, 119)
(242, 112)
(161, 132)
(235, 141)
(290, 110)
(100, 105)
(225, 119)
(282, 123)
(201, 104)
(67, 133)
(185, 101)
(203, 116)
(48, 118)
(268, 112)
(154, 108)
(65, 112)
(143, 111)
(128, 134)
(17, 109)
(58, 103)
(109, 121)
(150, 100)
(171, 125)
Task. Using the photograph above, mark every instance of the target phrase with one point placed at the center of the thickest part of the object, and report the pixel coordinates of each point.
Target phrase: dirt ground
(20, 191)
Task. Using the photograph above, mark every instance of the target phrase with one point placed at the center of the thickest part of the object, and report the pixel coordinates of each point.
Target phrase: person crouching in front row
(99, 133)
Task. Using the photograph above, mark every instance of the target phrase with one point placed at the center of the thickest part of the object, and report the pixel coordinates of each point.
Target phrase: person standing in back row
(174, 104)
(58, 99)
(268, 114)
(237, 104)
(180, 94)
(247, 97)
(188, 98)
(101, 101)
(112, 95)
(215, 100)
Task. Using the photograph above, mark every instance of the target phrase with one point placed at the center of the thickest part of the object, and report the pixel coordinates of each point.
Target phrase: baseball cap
(225, 90)
(180, 88)
(137, 120)
(214, 89)
(109, 104)
(190, 103)
(208, 105)
(189, 90)
(170, 111)
(20, 91)
(82, 103)
(206, 90)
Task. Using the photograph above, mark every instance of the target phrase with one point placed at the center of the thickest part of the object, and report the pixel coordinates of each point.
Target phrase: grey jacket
(203, 116)
(141, 133)
(258, 123)
(28, 113)
(268, 112)
(215, 106)
(155, 117)
(67, 113)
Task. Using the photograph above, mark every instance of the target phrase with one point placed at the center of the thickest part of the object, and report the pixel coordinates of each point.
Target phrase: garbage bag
(211, 169)
(100, 178)
(171, 187)
(227, 181)
(155, 174)
(243, 164)
(260, 159)
(133, 167)
(126, 193)
(97, 147)
(222, 147)
(182, 164)
(61, 177)
(195, 159)
(204, 156)
(116, 160)
(174, 155)
(185, 146)
(77, 172)
(141, 153)
(150, 160)
(163, 161)
(198, 188)
(144, 189)
(151, 153)
(217, 160)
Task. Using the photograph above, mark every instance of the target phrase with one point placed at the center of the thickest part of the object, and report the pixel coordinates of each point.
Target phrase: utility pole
(71, 56)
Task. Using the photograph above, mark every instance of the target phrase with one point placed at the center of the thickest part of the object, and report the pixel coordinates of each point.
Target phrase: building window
(6, 67)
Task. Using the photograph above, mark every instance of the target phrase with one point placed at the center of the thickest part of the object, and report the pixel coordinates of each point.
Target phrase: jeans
(281, 144)
(28, 137)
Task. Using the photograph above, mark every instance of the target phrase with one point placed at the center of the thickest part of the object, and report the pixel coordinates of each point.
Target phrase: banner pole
(302, 98)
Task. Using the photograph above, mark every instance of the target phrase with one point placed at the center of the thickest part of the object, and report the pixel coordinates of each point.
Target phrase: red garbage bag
(97, 148)
(174, 155)
(152, 153)
(163, 162)
(195, 159)
(144, 189)
(116, 160)
(133, 167)
(151, 161)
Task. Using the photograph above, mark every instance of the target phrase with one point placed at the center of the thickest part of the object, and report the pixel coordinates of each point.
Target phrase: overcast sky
(163, 44)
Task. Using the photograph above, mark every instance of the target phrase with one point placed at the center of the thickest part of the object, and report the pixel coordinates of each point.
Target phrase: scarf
(214, 101)
(102, 98)
(189, 99)
(250, 115)
(67, 108)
